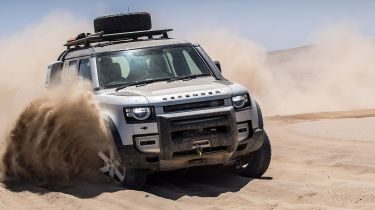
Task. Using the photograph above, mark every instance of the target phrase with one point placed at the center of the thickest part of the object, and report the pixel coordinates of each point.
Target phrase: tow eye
(199, 145)
(199, 150)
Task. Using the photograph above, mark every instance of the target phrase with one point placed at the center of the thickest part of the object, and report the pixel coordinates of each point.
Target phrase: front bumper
(207, 137)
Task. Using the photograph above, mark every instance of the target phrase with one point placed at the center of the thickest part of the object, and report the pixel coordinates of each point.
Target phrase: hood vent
(124, 94)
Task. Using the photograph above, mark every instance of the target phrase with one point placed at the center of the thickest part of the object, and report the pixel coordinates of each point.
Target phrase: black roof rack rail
(101, 37)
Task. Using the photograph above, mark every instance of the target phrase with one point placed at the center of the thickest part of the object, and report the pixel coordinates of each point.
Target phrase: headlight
(139, 114)
(241, 101)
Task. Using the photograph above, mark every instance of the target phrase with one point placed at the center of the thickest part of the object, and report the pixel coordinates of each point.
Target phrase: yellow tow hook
(199, 150)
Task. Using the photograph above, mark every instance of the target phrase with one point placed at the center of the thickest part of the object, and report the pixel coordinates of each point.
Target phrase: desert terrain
(320, 161)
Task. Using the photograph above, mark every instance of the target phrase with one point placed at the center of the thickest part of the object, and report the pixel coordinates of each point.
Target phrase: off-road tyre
(257, 161)
(135, 179)
(127, 177)
(121, 23)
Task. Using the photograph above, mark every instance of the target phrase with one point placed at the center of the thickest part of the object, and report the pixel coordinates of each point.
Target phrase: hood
(201, 87)
(169, 93)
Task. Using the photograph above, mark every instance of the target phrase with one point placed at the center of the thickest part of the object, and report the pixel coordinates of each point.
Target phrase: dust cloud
(45, 135)
(57, 138)
(24, 57)
(335, 73)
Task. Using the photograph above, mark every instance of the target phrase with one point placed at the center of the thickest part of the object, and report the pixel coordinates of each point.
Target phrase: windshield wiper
(169, 79)
(142, 82)
(187, 77)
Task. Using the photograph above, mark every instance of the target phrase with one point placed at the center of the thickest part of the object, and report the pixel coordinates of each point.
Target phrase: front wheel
(129, 178)
(257, 162)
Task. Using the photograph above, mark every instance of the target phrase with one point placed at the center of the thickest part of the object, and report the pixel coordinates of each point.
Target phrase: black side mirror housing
(218, 65)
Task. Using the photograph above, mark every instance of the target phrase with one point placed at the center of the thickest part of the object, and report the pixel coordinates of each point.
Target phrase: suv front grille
(194, 106)
(202, 126)
(180, 134)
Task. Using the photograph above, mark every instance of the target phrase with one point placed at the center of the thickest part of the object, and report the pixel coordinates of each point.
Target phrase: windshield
(149, 64)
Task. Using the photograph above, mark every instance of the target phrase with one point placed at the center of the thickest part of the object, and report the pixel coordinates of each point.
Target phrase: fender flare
(260, 116)
(112, 128)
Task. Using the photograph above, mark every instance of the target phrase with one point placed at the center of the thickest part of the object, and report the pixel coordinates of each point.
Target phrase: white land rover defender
(164, 101)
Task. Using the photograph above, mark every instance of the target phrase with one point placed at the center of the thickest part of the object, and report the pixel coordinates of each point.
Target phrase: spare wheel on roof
(121, 23)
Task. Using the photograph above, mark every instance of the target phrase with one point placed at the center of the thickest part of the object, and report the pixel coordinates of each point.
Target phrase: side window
(72, 66)
(84, 70)
(70, 70)
(54, 76)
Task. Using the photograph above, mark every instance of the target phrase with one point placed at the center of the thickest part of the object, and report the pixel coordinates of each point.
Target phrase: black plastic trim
(252, 144)
(260, 116)
(250, 126)
(143, 135)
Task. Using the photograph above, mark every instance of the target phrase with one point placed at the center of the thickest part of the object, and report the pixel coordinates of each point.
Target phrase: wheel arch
(260, 116)
(112, 128)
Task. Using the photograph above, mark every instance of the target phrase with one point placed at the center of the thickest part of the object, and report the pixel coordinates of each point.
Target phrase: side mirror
(218, 65)
(54, 74)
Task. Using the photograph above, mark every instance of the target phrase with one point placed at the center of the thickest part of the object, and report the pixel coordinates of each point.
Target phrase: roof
(121, 46)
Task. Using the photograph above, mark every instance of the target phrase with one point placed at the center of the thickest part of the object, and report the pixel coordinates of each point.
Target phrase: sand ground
(317, 164)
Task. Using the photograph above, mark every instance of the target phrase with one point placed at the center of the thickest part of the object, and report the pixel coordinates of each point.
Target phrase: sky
(271, 24)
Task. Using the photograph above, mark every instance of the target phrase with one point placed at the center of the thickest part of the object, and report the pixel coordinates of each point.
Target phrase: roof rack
(101, 37)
